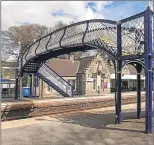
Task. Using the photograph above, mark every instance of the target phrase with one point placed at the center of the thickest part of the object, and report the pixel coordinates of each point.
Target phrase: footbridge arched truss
(91, 34)
(133, 62)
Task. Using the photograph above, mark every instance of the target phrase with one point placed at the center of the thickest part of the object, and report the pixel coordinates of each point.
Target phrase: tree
(25, 34)
(58, 25)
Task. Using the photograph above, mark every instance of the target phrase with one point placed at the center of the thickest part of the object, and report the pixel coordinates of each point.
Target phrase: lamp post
(19, 62)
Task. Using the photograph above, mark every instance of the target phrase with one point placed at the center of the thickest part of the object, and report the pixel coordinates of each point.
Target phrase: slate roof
(64, 67)
(84, 63)
(131, 68)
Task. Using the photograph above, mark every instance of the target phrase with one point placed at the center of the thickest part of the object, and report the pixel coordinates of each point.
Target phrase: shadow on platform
(105, 121)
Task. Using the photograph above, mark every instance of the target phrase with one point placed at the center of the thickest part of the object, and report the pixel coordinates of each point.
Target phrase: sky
(49, 12)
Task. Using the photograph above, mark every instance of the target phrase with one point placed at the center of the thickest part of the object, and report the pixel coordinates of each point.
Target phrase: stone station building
(91, 75)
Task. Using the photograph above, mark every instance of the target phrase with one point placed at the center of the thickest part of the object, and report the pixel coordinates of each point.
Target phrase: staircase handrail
(58, 75)
(47, 79)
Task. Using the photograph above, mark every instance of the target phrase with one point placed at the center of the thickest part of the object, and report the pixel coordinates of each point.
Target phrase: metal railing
(97, 33)
(53, 77)
(78, 34)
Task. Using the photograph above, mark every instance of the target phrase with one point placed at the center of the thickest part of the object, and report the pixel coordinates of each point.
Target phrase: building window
(80, 84)
(94, 75)
(48, 88)
(6, 73)
(102, 81)
(102, 84)
(12, 73)
(94, 81)
(94, 84)
(72, 83)
(99, 73)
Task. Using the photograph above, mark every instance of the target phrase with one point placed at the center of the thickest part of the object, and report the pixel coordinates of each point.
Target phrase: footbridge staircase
(55, 81)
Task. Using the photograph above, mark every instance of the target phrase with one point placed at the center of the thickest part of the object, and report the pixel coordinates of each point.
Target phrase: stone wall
(17, 110)
(80, 86)
(94, 67)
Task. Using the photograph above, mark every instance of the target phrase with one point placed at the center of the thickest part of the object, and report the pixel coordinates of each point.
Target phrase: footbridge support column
(148, 68)
(21, 87)
(119, 67)
(35, 85)
(119, 119)
(16, 88)
(139, 69)
(31, 85)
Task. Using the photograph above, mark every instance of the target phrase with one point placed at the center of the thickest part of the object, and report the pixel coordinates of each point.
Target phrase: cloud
(49, 12)
(92, 6)
(23, 23)
(58, 13)
(46, 12)
(120, 10)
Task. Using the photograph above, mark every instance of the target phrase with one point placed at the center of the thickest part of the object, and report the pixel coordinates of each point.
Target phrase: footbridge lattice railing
(90, 34)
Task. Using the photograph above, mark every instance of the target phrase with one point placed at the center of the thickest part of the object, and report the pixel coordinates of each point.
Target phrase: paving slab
(88, 127)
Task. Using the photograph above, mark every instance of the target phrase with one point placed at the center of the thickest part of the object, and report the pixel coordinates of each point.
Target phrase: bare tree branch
(25, 34)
